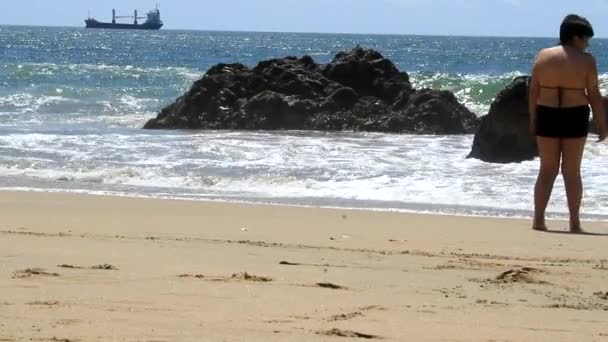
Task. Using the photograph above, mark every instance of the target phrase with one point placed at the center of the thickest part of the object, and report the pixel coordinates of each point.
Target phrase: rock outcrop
(359, 90)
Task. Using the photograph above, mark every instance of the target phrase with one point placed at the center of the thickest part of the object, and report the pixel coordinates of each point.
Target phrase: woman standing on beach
(564, 83)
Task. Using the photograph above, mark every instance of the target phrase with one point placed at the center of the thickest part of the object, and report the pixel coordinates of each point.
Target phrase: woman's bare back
(563, 75)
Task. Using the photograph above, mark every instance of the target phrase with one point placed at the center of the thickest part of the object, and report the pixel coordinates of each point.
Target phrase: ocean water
(73, 101)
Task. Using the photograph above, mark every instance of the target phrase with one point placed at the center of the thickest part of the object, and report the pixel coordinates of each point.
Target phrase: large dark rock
(504, 134)
(358, 90)
(439, 112)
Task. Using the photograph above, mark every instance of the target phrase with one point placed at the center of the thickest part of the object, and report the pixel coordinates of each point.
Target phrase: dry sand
(93, 268)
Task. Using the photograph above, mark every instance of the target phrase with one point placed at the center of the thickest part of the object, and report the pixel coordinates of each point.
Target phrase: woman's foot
(539, 225)
(575, 226)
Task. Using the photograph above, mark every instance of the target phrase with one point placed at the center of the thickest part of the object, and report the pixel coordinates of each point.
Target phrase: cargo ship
(152, 22)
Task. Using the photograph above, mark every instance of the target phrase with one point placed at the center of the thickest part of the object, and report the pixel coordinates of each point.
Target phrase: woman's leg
(572, 155)
(549, 151)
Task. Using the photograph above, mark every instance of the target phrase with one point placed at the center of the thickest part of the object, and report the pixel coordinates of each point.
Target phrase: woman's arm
(595, 99)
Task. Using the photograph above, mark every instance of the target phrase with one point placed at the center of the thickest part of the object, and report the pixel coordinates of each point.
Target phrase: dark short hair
(574, 26)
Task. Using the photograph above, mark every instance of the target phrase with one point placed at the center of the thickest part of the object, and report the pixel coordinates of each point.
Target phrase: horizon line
(315, 32)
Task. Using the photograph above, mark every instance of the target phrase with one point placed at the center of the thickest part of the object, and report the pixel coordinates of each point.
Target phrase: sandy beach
(97, 268)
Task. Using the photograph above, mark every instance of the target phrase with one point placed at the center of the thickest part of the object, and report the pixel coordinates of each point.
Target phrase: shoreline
(554, 216)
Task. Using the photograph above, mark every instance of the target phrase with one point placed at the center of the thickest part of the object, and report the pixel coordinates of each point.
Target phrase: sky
(528, 18)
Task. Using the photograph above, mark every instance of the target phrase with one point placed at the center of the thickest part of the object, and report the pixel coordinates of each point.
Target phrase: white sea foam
(385, 171)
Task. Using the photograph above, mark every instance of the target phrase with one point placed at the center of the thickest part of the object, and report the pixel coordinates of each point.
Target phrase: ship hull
(94, 24)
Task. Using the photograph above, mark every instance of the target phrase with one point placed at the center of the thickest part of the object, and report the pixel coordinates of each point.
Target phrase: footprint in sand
(249, 277)
(279, 321)
(287, 263)
(69, 266)
(67, 322)
(485, 302)
(331, 286)
(198, 276)
(237, 276)
(347, 333)
(519, 275)
(44, 303)
(96, 267)
(31, 272)
(579, 306)
(601, 295)
(106, 267)
(345, 317)
(355, 314)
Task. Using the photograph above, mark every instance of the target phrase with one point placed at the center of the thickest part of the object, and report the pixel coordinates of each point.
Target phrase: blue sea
(73, 101)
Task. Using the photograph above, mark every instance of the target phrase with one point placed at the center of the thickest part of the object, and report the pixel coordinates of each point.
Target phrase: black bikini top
(560, 91)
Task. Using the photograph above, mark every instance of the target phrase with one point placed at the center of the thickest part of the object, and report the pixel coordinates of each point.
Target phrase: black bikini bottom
(563, 122)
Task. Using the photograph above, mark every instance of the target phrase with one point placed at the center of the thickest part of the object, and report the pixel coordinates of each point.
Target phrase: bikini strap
(564, 88)
(560, 93)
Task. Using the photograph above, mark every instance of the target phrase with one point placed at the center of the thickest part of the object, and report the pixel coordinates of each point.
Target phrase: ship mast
(135, 17)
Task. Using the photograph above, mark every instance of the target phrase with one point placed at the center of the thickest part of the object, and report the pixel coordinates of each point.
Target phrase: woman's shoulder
(551, 50)
(548, 53)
